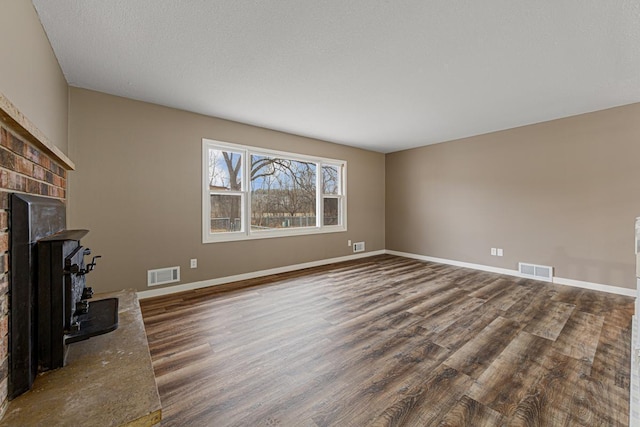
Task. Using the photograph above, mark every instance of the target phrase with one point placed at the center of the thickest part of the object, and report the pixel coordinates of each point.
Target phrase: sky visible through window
(280, 192)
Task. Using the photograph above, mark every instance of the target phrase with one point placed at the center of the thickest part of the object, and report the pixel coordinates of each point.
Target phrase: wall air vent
(539, 272)
(358, 247)
(162, 276)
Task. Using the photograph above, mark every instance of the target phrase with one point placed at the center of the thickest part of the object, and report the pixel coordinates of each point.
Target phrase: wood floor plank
(178, 359)
(507, 381)
(425, 404)
(548, 323)
(469, 412)
(447, 315)
(476, 355)
(612, 361)
(526, 310)
(548, 400)
(466, 327)
(381, 388)
(580, 336)
(390, 341)
(597, 403)
(491, 289)
(513, 294)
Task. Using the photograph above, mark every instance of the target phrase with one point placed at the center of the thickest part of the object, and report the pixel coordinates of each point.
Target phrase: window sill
(242, 236)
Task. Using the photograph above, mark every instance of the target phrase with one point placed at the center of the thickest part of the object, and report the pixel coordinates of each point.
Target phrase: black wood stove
(49, 297)
(64, 314)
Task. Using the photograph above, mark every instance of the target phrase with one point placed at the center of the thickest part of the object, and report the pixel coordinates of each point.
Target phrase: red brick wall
(23, 169)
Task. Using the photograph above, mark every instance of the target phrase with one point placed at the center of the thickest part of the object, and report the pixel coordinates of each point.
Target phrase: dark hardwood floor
(390, 341)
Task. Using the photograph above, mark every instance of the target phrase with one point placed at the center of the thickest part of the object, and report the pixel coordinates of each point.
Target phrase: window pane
(331, 211)
(225, 170)
(256, 193)
(226, 213)
(283, 193)
(330, 180)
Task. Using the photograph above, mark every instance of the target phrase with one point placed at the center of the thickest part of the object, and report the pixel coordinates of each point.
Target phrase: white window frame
(245, 194)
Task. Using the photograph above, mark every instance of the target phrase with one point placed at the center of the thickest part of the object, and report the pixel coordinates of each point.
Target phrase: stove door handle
(75, 269)
(92, 264)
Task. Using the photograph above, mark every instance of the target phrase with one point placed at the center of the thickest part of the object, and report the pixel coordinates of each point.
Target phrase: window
(251, 193)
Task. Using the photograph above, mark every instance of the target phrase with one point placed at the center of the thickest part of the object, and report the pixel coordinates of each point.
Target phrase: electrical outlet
(500, 252)
(494, 251)
(194, 263)
(349, 243)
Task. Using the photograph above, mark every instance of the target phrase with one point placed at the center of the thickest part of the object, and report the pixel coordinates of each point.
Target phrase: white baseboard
(557, 280)
(254, 274)
(634, 386)
(456, 263)
(595, 286)
(238, 277)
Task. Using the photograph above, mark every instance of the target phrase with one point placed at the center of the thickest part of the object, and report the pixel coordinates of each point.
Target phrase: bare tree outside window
(287, 188)
(253, 192)
(330, 192)
(225, 176)
(225, 170)
(330, 180)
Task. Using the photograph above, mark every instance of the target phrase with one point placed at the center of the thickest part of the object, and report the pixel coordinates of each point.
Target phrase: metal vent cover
(162, 276)
(358, 247)
(539, 272)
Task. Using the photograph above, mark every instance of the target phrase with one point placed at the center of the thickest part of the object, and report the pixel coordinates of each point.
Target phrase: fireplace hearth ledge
(108, 380)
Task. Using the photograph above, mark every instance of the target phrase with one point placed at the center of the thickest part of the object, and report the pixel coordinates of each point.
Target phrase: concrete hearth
(108, 380)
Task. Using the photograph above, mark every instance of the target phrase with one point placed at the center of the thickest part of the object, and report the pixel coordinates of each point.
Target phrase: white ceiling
(383, 75)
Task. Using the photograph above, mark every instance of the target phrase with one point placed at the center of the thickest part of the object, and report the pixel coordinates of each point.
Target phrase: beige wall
(30, 75)
(137, 188)
(563, 193)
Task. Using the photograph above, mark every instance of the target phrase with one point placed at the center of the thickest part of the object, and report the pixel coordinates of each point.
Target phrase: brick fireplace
(29, 164)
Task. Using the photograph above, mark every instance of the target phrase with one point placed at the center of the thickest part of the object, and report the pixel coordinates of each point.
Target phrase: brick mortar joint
(12, 133)
(34, 179)
(34, 164)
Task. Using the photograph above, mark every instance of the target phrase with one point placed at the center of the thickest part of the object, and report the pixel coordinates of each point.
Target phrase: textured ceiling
(382, 75)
